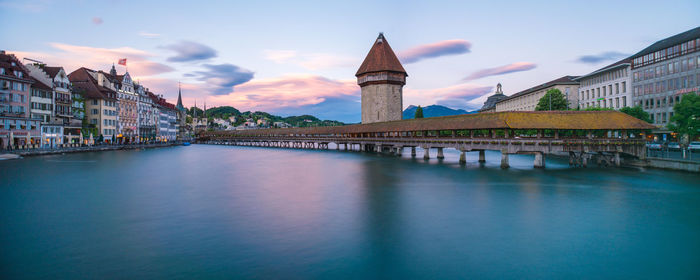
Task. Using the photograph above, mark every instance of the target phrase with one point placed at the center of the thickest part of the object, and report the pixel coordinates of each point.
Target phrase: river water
(242, 212)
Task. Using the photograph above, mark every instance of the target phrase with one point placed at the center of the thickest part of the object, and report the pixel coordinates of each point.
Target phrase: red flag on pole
(122, 61)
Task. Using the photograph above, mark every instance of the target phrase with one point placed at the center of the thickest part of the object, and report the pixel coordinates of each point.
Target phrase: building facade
(42, 95)
(128, 117)
(100, 99)
(527, 100)
(17, 129)
(147, 115)
(608, 87)
(381, 78)
(663, 72)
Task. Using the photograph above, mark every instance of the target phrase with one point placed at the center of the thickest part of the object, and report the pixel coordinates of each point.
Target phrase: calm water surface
(240, 212)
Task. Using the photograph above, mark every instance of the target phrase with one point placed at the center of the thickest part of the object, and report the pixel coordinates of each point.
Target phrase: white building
(527, 100)
(608, 87)
(41, 99)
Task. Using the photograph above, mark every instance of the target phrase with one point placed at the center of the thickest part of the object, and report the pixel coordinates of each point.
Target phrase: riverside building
(607, 87)
(527, 100)
(101, 103)
(662, 73)
(16, 126)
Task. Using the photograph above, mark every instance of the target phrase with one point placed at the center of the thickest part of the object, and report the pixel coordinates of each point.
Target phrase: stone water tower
(381, 78)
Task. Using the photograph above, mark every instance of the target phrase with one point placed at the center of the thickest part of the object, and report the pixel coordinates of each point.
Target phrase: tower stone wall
(382, 102)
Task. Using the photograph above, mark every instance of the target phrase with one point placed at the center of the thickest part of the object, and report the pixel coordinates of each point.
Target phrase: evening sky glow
(294, 57)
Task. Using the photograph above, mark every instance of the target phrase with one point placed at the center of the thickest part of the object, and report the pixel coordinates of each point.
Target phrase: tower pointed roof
(380, 58)
(179, 98)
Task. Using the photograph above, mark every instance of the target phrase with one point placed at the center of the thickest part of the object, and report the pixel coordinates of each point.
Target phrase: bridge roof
(578, 120)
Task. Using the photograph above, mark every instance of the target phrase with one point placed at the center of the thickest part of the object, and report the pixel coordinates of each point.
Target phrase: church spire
(113, 71)
(179, 98)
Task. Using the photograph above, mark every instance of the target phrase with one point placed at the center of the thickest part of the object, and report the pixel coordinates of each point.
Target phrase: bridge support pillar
(539, 160)
(413, 151)
(617, 159)
(440, 155)
(426, 154)
(482, 156)
(504, 159)
(399, 151)
(584, 159)
(462, 157)
(572, 156)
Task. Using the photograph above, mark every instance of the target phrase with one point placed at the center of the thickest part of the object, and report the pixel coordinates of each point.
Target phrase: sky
(300, 57)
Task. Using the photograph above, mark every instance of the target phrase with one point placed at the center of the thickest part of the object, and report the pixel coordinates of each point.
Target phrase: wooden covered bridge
(581, 134)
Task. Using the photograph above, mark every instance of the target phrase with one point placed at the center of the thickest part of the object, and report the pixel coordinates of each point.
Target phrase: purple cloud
(223, 77)
(190, 51)
(606, 56)
(97, 20)
(447, 47)
(501, 70)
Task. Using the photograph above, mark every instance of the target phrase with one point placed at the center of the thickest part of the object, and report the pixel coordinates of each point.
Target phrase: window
(95, 111)
(94, 102)
(624, 101)
(617, 88)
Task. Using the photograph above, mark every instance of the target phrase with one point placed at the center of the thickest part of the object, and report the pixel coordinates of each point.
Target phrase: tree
(419, 113)
(557, 102)
(637, 112)
(686, 116)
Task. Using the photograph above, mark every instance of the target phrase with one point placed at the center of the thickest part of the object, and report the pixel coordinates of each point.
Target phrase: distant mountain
(225, 112)
(433, 111)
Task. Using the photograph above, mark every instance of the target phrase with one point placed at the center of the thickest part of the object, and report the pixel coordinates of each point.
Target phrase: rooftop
(670, 41)
(380, 58)
(578, 120)
(622, 63)
(566, 80)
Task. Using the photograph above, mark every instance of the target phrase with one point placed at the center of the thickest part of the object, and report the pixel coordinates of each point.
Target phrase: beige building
(100, 100)
(527, 100)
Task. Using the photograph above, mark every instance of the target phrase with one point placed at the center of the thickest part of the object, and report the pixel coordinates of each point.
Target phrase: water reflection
(241, 212)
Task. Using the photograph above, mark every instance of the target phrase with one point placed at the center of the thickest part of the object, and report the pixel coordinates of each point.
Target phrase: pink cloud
(501, 70)
(442, 48)
(72, 57)
(286, 91)
(97, 20)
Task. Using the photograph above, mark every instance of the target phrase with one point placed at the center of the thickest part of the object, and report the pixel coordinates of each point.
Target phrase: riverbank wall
(84, 149)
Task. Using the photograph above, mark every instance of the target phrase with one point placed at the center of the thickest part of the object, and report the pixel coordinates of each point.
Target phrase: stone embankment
(82, 149)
